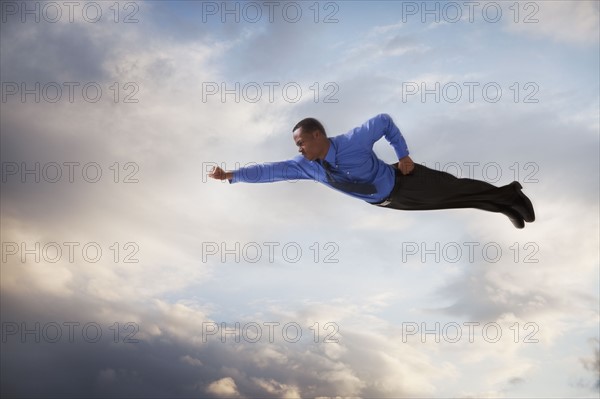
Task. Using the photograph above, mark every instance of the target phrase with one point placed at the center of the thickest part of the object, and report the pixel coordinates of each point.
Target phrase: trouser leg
(427, 189)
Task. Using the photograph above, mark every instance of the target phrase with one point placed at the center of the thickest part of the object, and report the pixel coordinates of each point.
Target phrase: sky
(126, 272)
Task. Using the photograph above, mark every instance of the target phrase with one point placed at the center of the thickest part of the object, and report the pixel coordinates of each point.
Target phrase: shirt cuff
(402, 153)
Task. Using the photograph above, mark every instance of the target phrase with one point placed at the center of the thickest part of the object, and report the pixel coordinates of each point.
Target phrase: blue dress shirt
(351, 156)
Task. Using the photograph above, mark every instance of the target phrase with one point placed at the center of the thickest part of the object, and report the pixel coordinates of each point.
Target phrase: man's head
(311, 139)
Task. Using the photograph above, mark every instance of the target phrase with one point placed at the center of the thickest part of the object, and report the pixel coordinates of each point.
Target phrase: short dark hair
(309, 125)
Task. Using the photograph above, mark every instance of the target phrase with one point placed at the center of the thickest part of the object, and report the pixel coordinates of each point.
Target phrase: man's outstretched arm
(265, 173)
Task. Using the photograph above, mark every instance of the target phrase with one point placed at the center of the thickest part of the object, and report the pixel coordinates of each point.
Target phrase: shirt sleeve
(270, 172)
(383, 125)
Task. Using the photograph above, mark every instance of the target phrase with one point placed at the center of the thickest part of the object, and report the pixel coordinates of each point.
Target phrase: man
(347, 163)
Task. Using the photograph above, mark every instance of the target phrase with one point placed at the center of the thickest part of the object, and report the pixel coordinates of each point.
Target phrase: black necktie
(360, 188)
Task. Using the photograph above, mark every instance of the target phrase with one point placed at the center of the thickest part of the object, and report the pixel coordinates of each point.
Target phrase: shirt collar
(331, 153)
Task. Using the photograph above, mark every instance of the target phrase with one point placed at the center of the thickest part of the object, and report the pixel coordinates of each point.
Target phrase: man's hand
(406, 165)
(220, 174)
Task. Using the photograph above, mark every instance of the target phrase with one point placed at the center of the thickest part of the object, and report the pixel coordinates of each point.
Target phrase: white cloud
(563, 21)
(275, 388)
(191, 360)
(225, 387)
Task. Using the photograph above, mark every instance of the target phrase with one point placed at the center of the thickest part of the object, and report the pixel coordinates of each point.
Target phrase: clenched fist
(220, 174)
(406, 165)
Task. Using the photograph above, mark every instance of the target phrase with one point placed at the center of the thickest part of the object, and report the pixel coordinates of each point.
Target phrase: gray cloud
(68, 51)
(178, 363)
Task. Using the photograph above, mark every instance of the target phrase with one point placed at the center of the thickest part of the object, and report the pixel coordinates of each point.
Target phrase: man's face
(308, 144)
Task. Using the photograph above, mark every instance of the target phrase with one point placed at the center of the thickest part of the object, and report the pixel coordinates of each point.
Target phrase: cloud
(225, 387)
(191, 360)
(566, 22)
(380, 44)
(173, 355)
(592, 364)
(280, 390)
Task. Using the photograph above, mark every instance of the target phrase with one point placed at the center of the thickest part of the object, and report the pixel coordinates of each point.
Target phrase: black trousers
(427, 189)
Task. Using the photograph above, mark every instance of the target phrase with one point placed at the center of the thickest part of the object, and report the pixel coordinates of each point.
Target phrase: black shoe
(515, 217)
(522, 204)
